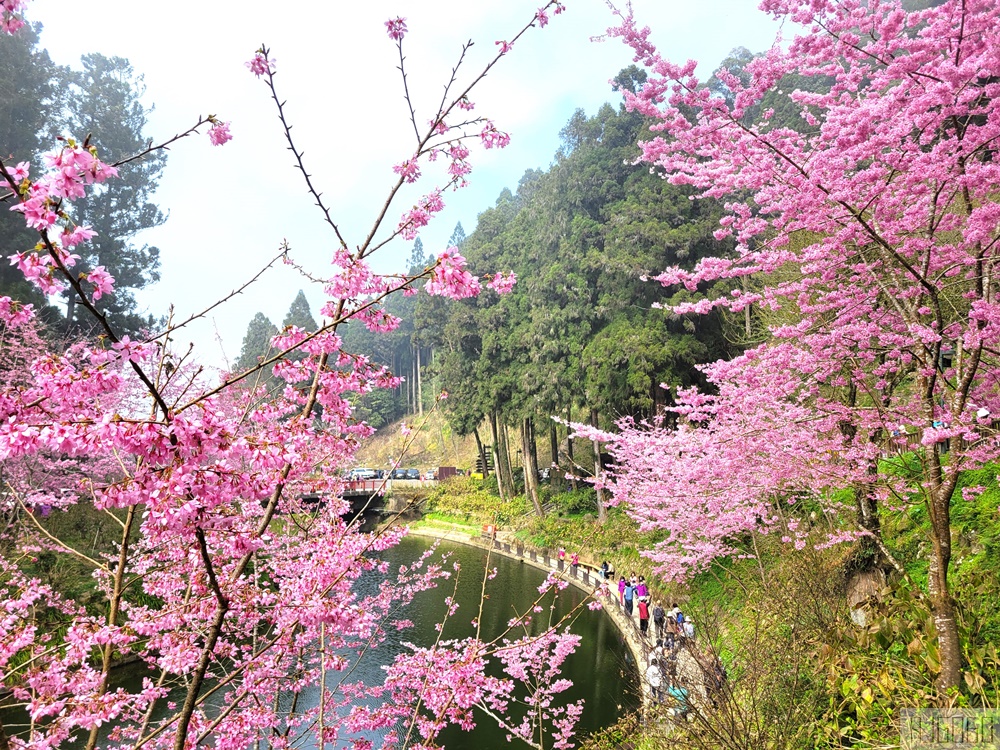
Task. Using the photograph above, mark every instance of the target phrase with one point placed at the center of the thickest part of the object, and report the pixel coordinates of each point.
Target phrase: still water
(602, 670)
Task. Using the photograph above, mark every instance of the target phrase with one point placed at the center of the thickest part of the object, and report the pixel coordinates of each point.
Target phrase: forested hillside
(582, 335)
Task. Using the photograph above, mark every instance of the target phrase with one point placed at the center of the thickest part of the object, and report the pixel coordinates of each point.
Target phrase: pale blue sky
(230, 207)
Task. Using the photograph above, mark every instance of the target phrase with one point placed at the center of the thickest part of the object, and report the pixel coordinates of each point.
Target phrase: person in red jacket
(643, 616)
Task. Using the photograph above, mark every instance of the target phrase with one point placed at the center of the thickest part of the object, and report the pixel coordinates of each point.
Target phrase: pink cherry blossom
(10, 22)
(76, 236)
(492, 137)
(396, 28)
(219, 133)
(450, 278)
(204, 588)
(260, 64)
(503, 284)
(103, 282)
(409, 170)
(855, 173)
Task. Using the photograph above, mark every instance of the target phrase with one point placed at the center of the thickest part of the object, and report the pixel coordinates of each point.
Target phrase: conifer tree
(300, 314)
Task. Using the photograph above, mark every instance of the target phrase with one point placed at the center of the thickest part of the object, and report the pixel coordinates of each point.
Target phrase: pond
(602, 670)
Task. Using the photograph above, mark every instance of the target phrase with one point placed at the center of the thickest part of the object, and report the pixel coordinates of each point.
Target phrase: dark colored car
(413, 473)
(398, 474)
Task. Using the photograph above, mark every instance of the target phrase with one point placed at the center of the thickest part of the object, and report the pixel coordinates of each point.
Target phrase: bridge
(370, 494)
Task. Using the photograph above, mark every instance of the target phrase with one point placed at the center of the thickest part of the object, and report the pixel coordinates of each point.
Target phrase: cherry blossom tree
(872, 223)
(207, 586)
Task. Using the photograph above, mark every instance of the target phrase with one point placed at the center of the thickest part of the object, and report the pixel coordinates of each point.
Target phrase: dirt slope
(431, 443)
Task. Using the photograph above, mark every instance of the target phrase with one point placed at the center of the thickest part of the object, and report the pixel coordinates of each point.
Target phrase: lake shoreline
(541, 561)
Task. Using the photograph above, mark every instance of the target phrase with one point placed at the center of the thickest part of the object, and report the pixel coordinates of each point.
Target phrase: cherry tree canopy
(871, 224)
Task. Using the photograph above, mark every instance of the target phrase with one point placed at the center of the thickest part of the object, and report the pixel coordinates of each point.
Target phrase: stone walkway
(690, 674)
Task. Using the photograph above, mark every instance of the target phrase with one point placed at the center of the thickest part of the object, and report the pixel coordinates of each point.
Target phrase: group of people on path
(671, 629)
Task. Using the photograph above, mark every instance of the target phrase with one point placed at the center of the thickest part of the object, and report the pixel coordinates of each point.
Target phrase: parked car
(362, 475)
(413, 473)
(398, 474)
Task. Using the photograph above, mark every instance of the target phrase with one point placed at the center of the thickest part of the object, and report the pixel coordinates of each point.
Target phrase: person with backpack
(679, 619)
(629, 597)
(659, 620)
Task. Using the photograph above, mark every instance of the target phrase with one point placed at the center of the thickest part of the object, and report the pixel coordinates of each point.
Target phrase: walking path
(690, 672)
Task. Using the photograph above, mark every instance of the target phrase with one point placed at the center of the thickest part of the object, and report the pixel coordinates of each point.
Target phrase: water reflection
(602, 671)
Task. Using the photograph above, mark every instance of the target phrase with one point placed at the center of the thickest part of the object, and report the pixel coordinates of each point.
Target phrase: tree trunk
(659, 401)
(569, 449)
(942, 603)
(938, 488)
(412, 390)
(70, 311)
(497, 462)
(746, 310)
(602, 511)
(482, 453)
(530, 465)
(555, 480)
(505, 458)
(420, 387)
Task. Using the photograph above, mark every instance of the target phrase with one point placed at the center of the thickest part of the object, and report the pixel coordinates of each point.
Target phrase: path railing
(690, 664)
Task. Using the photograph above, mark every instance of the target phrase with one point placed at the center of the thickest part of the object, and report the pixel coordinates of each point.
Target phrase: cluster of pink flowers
(409, 170)
(450, 277)
(502, 284)
(219, 133)
(458, 168)
(260, 64)
(396, 28)
(104, 282)
(420, 215)
(44, 202)
(72, 169)
(10, 21)
(492, 137)
(15, 314)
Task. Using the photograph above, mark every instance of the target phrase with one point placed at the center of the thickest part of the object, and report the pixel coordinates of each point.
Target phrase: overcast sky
(230, 207)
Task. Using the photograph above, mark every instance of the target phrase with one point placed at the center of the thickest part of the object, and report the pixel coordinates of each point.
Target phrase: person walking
(641, 590)
(659, 620)
(671, 628)
(621, 591)
(679, 619)
(688, 629)
(654, 678)
(643, 617)
(629, 597)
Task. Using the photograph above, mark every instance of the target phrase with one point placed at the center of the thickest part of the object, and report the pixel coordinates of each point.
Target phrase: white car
(362, 475)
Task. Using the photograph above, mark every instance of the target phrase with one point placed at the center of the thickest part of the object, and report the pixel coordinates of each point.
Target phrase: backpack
(680, 618)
